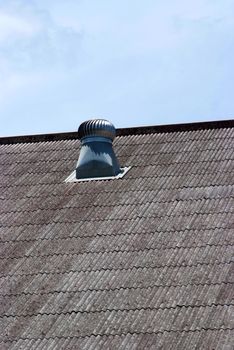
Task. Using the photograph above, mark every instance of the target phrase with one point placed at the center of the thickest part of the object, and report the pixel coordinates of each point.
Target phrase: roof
(143, 262)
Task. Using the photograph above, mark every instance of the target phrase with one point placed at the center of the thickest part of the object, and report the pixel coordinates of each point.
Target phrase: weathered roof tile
(144, 262)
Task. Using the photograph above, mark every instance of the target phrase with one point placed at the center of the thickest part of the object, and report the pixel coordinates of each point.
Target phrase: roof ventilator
(97, 160)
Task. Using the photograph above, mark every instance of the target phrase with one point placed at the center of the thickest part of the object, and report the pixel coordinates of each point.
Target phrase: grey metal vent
(97, 158)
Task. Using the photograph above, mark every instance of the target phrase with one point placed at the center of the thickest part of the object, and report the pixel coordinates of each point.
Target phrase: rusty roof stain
(144, 262)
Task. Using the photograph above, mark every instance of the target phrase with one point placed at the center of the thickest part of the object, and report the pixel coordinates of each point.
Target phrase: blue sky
(133, 62)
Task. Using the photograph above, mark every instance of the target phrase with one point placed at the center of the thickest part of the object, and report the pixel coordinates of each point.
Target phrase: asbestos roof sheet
(142, 262)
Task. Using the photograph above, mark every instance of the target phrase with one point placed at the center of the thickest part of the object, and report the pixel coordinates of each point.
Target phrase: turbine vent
(97, 157)
(97, 127)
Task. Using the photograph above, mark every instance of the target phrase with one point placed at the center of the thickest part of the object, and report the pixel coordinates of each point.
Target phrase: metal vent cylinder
(97, 157)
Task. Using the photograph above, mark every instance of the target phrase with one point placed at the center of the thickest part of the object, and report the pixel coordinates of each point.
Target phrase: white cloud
(12, 26)
(31, 41)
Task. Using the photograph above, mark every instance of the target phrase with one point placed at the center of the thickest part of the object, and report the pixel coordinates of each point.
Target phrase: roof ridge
(141, 130)
(51, 194)
(12, 340)
(100, 252)
(189, 306)
(110, 219)
(117, 269)
(139, 203)
(76, 291)
(123, 233)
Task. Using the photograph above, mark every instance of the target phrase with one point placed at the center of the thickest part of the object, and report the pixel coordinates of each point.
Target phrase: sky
(132, 62)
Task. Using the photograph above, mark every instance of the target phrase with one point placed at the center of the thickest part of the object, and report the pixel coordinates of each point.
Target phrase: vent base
(72, 177)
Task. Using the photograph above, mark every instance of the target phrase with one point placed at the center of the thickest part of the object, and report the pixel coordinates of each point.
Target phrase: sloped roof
(144, 262)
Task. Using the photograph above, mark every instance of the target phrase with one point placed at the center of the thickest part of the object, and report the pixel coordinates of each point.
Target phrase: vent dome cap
(97, 127)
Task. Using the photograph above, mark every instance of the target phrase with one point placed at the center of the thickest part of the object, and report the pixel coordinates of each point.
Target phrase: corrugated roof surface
(144, 262)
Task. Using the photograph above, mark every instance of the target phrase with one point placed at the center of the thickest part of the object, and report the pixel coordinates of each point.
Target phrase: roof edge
(139, 130)
(176, 127)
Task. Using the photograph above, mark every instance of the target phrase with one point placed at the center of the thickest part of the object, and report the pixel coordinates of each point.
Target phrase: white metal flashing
(72, 177)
